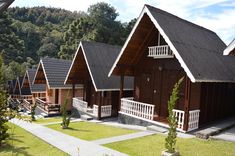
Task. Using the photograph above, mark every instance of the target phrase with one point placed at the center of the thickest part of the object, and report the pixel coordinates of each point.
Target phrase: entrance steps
(157, 129)
(86, 117)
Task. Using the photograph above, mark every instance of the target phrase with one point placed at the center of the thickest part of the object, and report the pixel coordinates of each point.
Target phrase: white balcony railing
(193, 119)
(139, 109)
(80, 104)
(162, 51)
(105, 110)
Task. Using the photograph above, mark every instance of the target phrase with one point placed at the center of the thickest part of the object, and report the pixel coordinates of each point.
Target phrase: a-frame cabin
(52, 73)
(160, 50)
(90, 67)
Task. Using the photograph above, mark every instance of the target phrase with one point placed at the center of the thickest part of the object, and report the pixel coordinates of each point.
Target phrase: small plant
(33, 112)
(171, 137)
(65, 118)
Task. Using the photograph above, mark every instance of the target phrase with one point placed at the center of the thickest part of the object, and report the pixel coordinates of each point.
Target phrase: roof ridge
(108, 44)
(184, 20)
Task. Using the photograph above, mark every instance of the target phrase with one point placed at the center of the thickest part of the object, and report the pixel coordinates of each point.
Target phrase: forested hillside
(27, 34)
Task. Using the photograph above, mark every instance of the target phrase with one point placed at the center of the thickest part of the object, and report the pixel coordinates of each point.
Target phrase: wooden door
(157, 92)
(146, 88)
(56, 96)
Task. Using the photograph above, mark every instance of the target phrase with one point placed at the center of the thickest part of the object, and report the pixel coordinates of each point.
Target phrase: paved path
(123, 137)
(228, 135)
(65, 142)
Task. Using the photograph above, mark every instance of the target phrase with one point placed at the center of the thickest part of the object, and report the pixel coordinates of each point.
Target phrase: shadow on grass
(79, 130)
(12, 150)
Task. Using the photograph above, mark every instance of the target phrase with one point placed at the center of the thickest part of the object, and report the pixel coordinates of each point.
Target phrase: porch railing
(179, 114)
(42, 104)
(193, 119)
(26, 97)
(27, 104)
(80, 104)
(105, 110)
(162, 51)
(138, 109)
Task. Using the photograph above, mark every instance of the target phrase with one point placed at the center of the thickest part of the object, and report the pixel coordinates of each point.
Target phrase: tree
(99, 24)
(3, 107)
(11, 47)
(172, 121)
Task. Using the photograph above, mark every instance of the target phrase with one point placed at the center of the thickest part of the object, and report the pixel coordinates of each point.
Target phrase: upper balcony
(162, 51)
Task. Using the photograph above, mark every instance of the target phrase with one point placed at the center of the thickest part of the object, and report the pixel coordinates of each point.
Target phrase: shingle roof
(56, 71)
(199, 50)
(35, 87)
(100, 58)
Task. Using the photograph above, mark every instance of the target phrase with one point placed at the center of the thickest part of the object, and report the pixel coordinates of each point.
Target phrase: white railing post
(105, 110)
(179, 114)
(80, 104)
(139, 109)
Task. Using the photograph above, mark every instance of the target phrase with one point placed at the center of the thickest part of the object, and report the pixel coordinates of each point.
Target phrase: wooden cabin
(160, 50)
(90, 67)
(19, 92)
(230, 49)
(35, 90)
(52, 73)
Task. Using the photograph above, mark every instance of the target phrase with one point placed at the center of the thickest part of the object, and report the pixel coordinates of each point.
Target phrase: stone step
(86, 117)
(157, 129)
(44, 114)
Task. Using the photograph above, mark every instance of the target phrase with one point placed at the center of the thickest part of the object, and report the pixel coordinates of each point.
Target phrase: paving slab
(228, 135)
(66, 143)
(215, 128)
(123, 137)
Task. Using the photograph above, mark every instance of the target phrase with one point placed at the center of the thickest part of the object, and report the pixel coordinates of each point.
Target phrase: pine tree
(172, 121)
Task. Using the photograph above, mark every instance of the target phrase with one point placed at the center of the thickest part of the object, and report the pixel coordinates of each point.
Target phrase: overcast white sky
(217, 15)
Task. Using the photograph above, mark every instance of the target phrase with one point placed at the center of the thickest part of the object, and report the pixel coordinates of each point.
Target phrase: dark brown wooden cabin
(230, 49)
(160, 50)
(90, 67)
(52, 72)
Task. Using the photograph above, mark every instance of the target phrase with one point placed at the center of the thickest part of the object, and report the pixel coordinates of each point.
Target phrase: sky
(216, 15)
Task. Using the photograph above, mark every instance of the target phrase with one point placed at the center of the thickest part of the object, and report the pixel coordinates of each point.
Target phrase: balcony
(162, 51)
(82, 106)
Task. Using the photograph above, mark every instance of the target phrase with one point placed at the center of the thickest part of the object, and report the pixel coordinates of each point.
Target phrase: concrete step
(86, 117)
(157, 129)
(44, 114)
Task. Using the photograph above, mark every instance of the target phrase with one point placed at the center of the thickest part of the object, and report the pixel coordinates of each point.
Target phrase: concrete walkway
(65, 142)
(123, 137)
(228, 135)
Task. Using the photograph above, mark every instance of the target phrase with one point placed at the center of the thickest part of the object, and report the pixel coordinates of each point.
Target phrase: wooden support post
(73, 89)
(100, 104)
(121, 91)
(186, 102)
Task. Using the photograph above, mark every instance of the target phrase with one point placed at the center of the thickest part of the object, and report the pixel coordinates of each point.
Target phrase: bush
(65, 118)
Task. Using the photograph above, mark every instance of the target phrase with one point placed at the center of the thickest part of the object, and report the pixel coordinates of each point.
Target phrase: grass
(91, 131)
(153, 145)
(48, 120)
(24, 143)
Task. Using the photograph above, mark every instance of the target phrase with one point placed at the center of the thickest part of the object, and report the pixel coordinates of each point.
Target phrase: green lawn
(153, 145)
(24, 143)
(91, 131)
(48, 120)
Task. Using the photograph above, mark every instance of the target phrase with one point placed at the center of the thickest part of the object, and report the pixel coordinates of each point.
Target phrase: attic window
(161, 51)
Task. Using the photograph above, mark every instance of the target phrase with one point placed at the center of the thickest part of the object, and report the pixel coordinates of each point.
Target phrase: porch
(81, 105)
(144, 111)
(47, 107)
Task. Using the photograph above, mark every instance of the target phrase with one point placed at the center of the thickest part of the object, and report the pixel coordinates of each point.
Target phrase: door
(56, 96)
(157, 92)
(146, 88)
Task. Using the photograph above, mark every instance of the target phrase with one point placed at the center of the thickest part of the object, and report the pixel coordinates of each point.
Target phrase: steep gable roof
(99, 58)
(34, 88)
(54, 72)
(198, 50)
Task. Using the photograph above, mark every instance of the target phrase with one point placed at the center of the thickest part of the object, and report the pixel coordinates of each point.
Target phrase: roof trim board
(45, 75)
(182, 63)
(229, 48)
